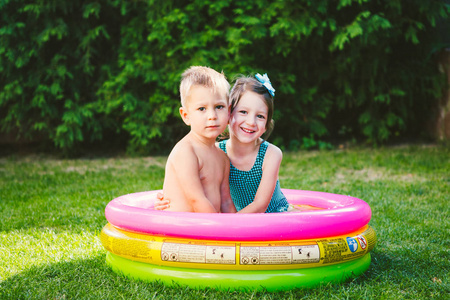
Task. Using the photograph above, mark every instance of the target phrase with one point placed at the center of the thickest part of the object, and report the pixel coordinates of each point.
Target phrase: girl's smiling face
(249, 117)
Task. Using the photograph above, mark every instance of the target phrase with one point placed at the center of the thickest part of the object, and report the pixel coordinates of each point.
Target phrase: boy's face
(206, 112)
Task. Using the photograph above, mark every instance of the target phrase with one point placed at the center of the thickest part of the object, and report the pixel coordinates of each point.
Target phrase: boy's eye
(220, 106)
(201, 108)
(243, 112)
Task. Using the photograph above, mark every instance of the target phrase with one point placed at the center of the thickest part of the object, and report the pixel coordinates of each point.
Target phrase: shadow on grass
(395, 273)
(415, 273)
(92, 278)
(84, 278)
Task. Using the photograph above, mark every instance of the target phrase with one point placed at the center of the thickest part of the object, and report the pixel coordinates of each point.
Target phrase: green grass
(52, 212)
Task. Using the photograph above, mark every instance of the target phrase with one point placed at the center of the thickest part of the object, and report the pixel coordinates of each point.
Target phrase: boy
(196, 178)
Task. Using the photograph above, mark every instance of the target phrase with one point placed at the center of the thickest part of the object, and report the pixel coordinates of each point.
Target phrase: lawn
(52, 211)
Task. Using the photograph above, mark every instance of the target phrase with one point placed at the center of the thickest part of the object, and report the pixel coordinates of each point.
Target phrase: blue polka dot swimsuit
(244, 184)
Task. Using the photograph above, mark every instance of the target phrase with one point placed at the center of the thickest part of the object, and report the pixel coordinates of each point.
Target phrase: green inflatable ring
(268, 280)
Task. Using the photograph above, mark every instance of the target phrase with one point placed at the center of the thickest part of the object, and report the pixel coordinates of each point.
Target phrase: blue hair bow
(264, 79)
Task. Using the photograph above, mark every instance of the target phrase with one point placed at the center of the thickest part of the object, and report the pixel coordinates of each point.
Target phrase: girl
(254, 184)
(254, 163)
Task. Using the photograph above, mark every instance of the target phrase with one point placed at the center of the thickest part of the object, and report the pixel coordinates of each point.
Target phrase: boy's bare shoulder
(222, 155)
(183, 149)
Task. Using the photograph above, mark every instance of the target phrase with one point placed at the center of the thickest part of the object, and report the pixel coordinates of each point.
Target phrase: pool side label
(194, 253)
(276, 255)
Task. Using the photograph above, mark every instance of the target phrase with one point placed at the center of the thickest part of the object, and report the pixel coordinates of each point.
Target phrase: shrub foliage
(75, 72)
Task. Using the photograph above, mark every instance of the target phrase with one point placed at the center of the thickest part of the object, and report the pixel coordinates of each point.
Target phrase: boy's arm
(226, 205)
(187, 171)
(161, 203)
(271, 166)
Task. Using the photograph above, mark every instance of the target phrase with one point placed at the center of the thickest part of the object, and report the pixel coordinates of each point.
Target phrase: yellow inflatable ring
(237, 255)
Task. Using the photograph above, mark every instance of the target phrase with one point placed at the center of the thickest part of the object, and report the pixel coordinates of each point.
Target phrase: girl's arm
(271, 166)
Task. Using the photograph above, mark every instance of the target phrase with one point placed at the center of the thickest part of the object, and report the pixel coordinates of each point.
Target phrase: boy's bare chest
(211, 169)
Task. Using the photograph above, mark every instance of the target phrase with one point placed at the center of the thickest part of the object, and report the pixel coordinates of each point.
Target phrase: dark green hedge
(107, 71)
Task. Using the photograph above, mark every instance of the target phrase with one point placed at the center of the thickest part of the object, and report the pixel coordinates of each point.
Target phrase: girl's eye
(243, 112)
(261, 116)
(220, 106)
(201, 109)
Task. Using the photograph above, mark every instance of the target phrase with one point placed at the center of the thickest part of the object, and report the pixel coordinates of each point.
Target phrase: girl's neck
(243, 155)
(242, 149)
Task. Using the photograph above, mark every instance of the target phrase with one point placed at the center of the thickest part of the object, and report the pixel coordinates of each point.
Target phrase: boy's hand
(160, 202)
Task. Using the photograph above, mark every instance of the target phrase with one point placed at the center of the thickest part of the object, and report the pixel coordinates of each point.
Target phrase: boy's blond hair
(206, 77)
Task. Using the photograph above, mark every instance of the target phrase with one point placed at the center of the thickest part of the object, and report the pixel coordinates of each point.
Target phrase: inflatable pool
(275, 251)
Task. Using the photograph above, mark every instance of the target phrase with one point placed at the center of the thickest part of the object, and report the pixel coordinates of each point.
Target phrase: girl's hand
(161, 203)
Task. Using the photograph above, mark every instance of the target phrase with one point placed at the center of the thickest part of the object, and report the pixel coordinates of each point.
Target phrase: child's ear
(185, 116)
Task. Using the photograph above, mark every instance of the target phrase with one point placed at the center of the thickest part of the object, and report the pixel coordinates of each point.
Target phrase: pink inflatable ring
(339, 216)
